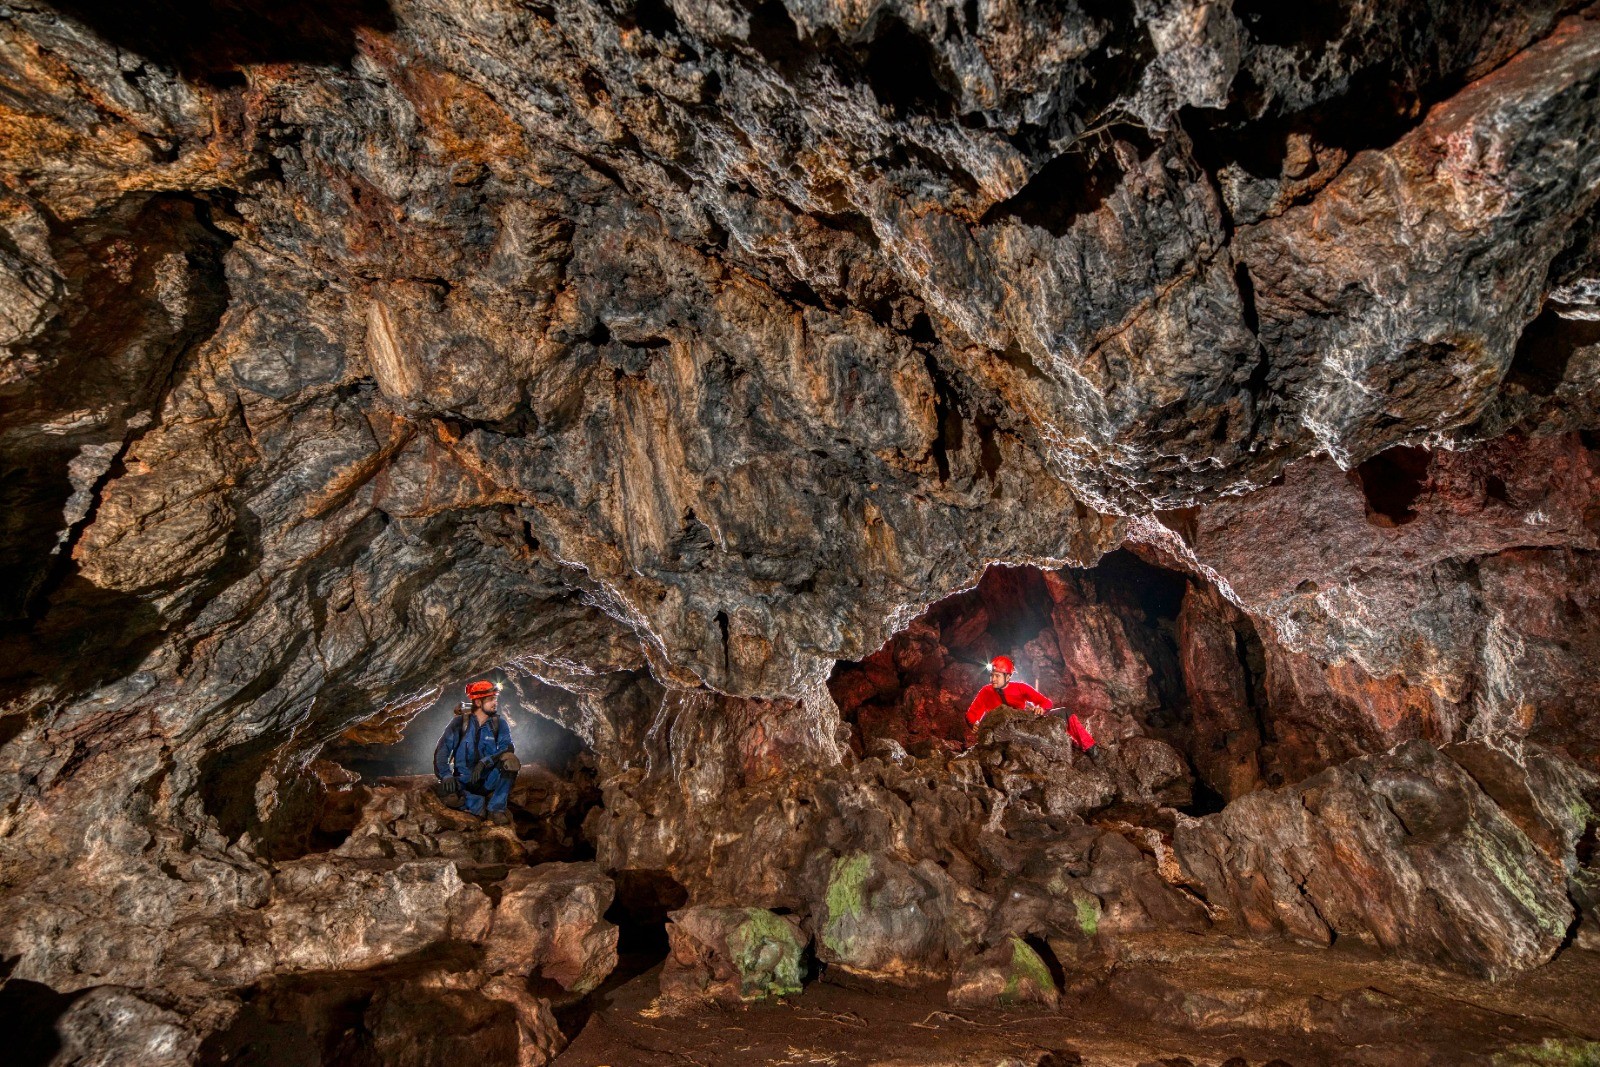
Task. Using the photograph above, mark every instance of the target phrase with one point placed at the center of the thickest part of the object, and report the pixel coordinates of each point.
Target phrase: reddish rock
(1403, 851)
(1224, 707)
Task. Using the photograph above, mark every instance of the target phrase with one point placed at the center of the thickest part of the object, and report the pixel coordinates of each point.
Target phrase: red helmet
(480, 689)
(1003, 664)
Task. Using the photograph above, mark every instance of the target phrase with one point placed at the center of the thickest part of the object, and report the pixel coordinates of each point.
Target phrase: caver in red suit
(1021, 695)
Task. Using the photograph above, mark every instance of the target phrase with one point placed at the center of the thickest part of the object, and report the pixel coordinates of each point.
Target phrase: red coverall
(1019, 694)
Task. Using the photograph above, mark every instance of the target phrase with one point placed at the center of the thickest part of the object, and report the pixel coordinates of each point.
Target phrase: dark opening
(1392, 482)
(1206, 800)
(205, 39)
(643, 899)
(773, 35)
(947, 413)
(905, 73)
(1072, 185)
(989, 457)
(1308, 26)
(655, 17)
(28, 1011)
(722, 628)
(1047, 956)
(1545, 350)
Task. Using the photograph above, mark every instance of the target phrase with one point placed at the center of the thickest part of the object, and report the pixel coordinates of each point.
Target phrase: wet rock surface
(738, 378)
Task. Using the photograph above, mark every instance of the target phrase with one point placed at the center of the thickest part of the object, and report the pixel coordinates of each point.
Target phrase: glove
(448, 790)
(509, 763)
(1094, 755)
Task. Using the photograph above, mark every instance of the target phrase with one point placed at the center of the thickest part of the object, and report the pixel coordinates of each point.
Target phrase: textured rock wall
(697, 347)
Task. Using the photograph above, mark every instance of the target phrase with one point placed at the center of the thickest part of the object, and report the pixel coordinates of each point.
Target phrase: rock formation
(739, 376)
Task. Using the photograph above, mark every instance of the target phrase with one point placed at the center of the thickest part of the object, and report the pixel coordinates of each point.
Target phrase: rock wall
(672, 353)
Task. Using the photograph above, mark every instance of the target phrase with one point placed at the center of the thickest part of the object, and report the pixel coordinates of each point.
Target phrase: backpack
(458, 724)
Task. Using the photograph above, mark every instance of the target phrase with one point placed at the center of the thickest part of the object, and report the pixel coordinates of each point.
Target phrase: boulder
(882, 920)
(550, 922)
(109, 1026)
(731, 955)
(410, 822)
(1005, 976)
(1403, 851)
(1152, 772)
(328, 913)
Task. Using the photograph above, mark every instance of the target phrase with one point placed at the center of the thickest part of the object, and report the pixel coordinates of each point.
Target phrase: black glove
(448, 790)
(1094, 755)
(509, 763)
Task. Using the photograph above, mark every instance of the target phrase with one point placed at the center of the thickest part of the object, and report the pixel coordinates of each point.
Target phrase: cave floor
(1171, 1000)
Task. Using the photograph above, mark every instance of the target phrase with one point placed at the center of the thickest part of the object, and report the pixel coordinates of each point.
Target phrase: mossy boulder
(731, 956)
(1012, 973)
(881, 919)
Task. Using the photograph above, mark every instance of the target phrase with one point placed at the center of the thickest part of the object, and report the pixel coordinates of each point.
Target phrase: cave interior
(729, 382)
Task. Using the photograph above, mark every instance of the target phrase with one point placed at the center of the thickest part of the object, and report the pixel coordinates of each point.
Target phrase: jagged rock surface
(730, 956)
(1403, 851)
(670, 353)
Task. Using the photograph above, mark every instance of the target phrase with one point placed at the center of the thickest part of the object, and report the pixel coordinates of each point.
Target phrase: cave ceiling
(681, 357)
(723, 338)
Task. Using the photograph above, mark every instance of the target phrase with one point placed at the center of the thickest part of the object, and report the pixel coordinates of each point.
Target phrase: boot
(500, 818)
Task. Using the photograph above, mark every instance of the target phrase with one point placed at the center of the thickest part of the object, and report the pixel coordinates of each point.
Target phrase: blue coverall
(472, 744)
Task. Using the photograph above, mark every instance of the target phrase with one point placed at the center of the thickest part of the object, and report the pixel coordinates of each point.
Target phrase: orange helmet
(480, 689)
(1003, 664)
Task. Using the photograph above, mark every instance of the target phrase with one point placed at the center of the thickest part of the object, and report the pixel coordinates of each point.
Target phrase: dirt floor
(1169, 1001)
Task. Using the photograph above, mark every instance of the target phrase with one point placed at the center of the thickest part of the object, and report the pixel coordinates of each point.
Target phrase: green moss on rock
(766, 949)
(1026, 966)
(846, 898)
(1088, 913)
(1551, 1052)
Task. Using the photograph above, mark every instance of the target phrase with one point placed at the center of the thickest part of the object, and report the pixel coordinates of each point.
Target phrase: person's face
(489, 704)
(999, 678)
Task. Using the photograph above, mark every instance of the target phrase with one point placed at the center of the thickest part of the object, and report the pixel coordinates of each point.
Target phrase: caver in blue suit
(480, 759)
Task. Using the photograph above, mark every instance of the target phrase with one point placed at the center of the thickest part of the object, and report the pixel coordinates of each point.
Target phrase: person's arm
(981, 705)
(443, 751)
(1030, 695)
(507, 756)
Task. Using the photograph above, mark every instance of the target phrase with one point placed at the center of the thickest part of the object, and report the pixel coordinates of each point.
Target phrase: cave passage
(553, 792)
(1101, 642)
(392, 747)
(1131, 646)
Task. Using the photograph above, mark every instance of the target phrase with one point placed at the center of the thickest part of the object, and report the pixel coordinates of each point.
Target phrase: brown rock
(1402, 851)
(549, 921)
(322, 916)
(731, 956)
(1005, 976)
